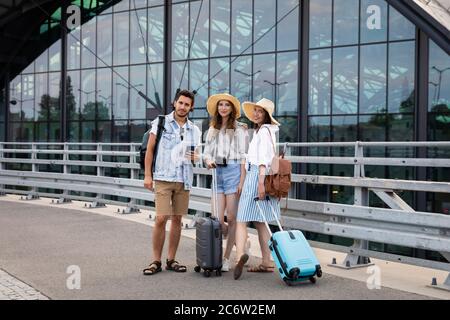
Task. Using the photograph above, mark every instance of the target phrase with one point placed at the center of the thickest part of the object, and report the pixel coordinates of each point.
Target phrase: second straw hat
(264, 103)
(211, 104)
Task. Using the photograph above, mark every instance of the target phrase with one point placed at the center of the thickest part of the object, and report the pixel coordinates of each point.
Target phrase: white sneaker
(226, 265)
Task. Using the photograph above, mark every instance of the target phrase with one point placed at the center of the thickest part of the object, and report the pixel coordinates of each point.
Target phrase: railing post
(134, 174)
(33, 195)
(361, 196)
(64, 198)
(2, 167)
(99, 158)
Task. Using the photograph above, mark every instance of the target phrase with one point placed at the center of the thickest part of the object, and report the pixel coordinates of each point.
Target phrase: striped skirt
(247, 209)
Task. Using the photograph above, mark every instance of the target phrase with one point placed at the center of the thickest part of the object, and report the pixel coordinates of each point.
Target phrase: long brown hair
(216, 121)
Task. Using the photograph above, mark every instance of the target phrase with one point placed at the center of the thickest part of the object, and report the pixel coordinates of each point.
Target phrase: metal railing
(58, 170)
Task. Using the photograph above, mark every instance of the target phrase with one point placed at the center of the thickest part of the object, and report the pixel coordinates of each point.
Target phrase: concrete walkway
(46, 245)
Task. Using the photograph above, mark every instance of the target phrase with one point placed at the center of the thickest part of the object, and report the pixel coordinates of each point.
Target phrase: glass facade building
(337, 70)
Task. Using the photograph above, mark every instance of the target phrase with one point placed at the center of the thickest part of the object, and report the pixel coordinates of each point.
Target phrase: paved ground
(45, 247)
(14, 289)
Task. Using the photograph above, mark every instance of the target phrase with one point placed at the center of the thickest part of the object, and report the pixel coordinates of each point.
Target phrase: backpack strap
(161, 124)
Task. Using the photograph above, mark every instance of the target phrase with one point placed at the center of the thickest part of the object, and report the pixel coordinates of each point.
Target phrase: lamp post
(276, 87)
(250, 79)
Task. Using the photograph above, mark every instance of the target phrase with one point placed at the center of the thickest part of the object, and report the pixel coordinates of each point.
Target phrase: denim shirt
(171, 164)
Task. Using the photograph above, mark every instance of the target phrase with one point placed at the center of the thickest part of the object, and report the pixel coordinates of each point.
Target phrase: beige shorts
(171, 198)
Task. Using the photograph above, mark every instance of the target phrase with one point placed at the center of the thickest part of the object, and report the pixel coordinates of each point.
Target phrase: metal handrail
(398, 225)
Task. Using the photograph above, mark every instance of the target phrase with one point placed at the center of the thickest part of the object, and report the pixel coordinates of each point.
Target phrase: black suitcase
(209, 240)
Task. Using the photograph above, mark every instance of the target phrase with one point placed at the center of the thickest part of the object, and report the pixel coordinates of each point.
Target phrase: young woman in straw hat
(225, 150)
(259, 158)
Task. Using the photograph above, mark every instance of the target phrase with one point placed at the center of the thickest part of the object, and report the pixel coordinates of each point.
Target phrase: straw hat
(264, 103)
(211, 104)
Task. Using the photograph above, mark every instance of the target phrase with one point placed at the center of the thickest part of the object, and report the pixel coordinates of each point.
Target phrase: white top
(261, 150)
(230, 144)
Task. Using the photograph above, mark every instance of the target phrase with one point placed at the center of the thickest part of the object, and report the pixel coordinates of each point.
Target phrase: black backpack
(143, 147)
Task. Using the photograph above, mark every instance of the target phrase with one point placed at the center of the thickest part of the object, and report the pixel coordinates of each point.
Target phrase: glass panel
(87, 94)
(241, 27)
(156, 34)
(15, 97)
(179, 77)
(288, 129)
(439, 81)
(104, 131)
(155, 88)
(219, 74)
(54, 92)
(346, 18)
(87, 130)
(264, 85)
(400, 127)
(104, 95)
(138, 34)
(200, 41)
(136, 4)
(121, 132)
(180, 29)
(74, 131)
(373, 79)
(372, 128)
(155, 2)
(29, 69)
(138, 77)
(88, 50)
(42, 62)
(28, 97)
(197, 77)
(55, 56)
(2, 131)
(54, 132)
(241, 78)
(42, 131)
(319, 131)
(343, 129)
(320, 23)
(73, 94)
(400, 28)
(287, 86)
(41, 101)
(264, 19)
(14, 132)
(373, 20)
(220, 27)
(121, 38)
(73, 49)
(319, 81)
(401, 77)
(137, 130)
(27, 131)
(120, 93)
(122, 5)
(104, 40)
(345, 80)
(287, 29)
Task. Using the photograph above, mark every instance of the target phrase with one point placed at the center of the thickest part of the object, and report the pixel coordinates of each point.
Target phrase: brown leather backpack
(278, 181)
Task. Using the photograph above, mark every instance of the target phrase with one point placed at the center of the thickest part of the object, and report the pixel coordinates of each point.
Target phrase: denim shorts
(228, 178)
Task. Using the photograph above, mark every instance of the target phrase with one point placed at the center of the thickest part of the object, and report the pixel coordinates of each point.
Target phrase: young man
(173, 176)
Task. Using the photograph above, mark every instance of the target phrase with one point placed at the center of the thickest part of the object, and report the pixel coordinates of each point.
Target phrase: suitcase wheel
(319, 271)
(207, 273)
(312, 279)
(197, 269)
(288, 282)
(218, 273)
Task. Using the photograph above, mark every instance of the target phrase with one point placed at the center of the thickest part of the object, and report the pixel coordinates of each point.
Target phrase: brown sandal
(153, 268)
(240, 265)
(173, 265)
(261, 268)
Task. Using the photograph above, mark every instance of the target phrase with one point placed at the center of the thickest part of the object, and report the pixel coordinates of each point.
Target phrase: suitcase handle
(257, 200)
(214, 212)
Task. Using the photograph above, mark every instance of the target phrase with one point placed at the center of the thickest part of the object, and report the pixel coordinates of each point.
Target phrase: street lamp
(250, 78)
(87, 93)
(276, 87)
(440, 71)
